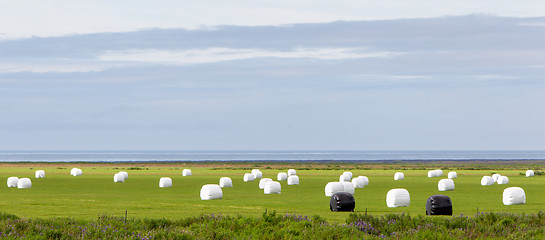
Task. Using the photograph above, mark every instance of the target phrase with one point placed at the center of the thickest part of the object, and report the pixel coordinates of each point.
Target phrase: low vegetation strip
(278, 226)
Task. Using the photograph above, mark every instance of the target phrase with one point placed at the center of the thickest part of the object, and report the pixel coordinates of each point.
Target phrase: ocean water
(140, 156)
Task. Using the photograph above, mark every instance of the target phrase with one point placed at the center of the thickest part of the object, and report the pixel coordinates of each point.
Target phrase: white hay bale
(76, 172)
(248, 177)
(333, 187)
(124, 174)
(503, 180)
(282, 176)
(452, 175)
(165, 182)
(12, 181)
(487, 181)
(211, 191)
(118, 178)
(344, 178)
(264, 181)
(358, 183)
(39, 174)
(435, 173)
(291, 172)
(24, 183)
(365, 180)
(272, 187)
(186, 172)
(514, 195)
(226, 182)
(529, 173)
(496, 176)
(399, 176)
(348, 187)
(293, 180)
(445, 185)
(349, 174)
(398, 197)
(257, 173)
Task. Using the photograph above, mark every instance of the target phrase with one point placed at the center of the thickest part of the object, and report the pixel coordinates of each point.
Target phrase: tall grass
(278, 226)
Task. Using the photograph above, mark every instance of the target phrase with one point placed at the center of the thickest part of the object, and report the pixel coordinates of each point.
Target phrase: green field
(95, 193)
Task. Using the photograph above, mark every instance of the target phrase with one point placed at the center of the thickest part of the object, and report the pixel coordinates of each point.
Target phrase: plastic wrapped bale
(514, 195)
(186, 172)
(248, 177)
(398, 197)
(332, 188)
(348, 187)
(291, 172)
(293, 180)
(282, 176)
(24, 183)
(487, 181)
(503, 180)
(272, 187)
(264, 181)
(76, 172)
(124, 174)
(344, 178)
(529, 173)
(435, 173)
(452, 175)
(226, 182)
(365, 180)
(12, 181)
(257, 173)
(118, 178)
(342, 202)
(439, 205)
(211, 191)
(445, 185)
(358, 183)
(399, 176)
(39, 174)
(496, 176)
(349, 174)
(165, 182)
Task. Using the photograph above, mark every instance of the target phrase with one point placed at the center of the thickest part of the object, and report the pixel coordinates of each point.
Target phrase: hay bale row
(19, 182)
(121, 176)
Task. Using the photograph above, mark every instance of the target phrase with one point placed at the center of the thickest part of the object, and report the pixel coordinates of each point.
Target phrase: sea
(173, 156)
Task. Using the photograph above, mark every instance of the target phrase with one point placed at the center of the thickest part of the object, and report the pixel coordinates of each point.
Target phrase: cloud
(211, 55)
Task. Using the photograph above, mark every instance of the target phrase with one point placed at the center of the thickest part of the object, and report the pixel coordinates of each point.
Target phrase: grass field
(95, 193)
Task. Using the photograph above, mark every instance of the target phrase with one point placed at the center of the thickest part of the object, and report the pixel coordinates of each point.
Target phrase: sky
(272, 75)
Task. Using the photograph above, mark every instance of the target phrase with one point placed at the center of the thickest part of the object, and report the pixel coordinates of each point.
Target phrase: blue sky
(271, 76)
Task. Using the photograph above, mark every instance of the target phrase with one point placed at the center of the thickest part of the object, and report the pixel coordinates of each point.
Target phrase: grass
(95, 193)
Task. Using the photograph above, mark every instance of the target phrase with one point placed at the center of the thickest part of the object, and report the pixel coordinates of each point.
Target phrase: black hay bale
(342, 202)
(439, 205)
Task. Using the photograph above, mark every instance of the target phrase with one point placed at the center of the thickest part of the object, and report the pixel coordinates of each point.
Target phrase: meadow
(60, 195)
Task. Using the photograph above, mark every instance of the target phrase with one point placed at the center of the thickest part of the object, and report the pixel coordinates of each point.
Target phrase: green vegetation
(95, 193)
(66, 207)
(275, 226)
